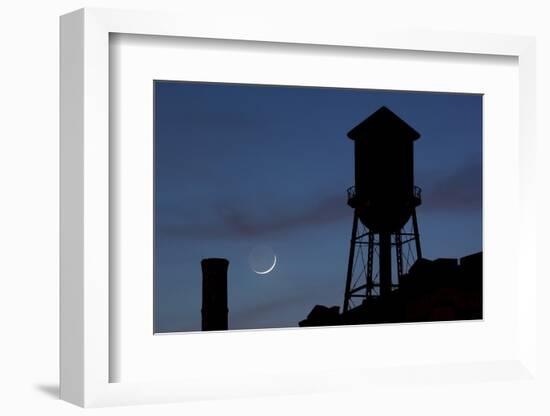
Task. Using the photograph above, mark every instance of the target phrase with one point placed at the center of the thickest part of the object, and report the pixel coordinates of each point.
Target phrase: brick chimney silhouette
(214, 294)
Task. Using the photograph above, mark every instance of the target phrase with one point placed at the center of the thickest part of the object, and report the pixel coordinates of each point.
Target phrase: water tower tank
(384, 194)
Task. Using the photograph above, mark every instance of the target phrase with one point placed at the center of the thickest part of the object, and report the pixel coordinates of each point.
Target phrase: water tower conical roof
(383, 123)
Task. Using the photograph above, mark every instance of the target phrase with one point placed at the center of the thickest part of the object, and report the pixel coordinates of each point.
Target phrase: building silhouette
(432, 290)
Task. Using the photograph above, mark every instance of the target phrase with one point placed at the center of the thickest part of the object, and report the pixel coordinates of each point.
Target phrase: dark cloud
(233, 222)
(458, 192)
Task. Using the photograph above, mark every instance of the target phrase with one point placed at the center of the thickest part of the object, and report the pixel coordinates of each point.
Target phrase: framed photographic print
(240, 211)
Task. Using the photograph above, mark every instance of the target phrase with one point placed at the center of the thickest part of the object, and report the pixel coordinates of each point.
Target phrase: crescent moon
(270, 269)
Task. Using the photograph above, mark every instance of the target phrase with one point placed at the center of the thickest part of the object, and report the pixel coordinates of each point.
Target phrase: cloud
(235, 222)
(458, 192)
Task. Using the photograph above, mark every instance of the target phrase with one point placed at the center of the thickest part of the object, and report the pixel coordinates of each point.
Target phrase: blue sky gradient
(237, 166)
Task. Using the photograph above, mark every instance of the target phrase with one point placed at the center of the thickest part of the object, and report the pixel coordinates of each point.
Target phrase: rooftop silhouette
(432, 290)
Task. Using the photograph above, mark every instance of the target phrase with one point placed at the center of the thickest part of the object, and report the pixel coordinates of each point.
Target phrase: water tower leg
(370, 254)
(353, 240)
(399, 255)
(416, 235)
(385, 263)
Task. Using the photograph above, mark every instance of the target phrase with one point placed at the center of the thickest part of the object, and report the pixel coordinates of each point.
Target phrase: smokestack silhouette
(214, 294)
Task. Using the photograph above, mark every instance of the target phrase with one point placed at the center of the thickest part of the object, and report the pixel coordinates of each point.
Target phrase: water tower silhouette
(383, 199)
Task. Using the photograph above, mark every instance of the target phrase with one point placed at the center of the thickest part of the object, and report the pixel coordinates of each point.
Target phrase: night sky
(243, 167)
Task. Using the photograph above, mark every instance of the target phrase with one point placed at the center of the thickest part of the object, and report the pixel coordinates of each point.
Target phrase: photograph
(281, 206)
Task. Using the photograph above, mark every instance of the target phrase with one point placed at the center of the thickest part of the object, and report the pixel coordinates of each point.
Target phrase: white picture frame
(86, 291)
